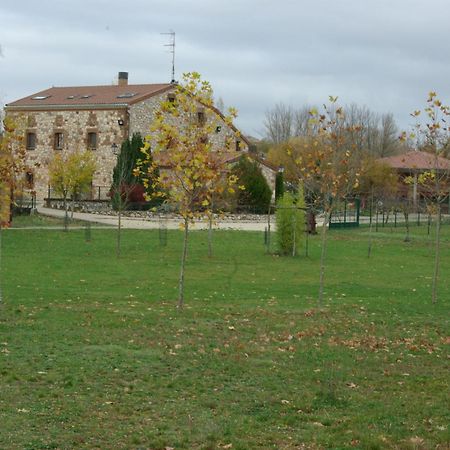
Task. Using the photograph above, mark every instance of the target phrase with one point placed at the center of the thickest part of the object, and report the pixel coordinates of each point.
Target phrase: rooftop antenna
(171, 44)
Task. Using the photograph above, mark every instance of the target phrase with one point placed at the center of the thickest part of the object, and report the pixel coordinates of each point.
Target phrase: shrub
(290, 223)
(257, 194)
(279, 185)
(127, 189)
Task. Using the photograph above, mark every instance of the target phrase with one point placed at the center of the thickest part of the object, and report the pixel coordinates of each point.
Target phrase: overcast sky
(384, 54)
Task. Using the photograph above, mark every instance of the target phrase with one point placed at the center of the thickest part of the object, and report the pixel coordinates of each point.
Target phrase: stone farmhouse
(99, 118)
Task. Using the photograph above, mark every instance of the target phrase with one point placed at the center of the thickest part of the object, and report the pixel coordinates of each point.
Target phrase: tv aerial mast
(171, 46)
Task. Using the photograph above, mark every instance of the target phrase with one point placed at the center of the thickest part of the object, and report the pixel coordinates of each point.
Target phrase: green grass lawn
(94, 354)
(40, 221)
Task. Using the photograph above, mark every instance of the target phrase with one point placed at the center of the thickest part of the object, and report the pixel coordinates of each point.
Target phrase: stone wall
(270, 176)
(75, 126)
(141, 116)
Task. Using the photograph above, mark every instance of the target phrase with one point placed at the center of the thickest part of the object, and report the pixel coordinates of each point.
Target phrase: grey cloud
(383, 54)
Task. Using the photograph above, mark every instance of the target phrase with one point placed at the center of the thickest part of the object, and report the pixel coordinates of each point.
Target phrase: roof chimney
(123, 78)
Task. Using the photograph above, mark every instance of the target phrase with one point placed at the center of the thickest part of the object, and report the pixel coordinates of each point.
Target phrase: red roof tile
(417, 160)
(91, 95)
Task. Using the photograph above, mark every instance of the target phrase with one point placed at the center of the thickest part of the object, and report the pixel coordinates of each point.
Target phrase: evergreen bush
(127, 190)
(257, 194)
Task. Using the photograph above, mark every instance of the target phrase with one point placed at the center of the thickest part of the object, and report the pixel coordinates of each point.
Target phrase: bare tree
(389, 143)
(279, 123)
(365, 131)
(302, 120)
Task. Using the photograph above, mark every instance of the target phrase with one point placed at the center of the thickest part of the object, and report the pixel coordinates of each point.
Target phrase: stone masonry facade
(75, 126)
(61, 128)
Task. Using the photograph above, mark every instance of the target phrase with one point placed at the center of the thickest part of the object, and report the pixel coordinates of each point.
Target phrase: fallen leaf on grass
(416, 440)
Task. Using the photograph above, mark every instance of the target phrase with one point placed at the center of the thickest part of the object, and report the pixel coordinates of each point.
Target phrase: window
(92, 141)
(29, 179)
(40, 97)
(126, 95)
(59, 141)
(170, 143)
(201, 117)
(238, 146)
(171, 97)
(31, 141)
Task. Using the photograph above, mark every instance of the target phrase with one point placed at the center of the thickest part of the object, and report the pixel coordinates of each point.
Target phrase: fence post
(268, 230)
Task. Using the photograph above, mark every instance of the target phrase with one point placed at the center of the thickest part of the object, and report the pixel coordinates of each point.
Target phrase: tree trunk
(183, 264)
(407, 238)
(72, 203)
(369, 249)
(66, 213)
(436, 256)
(268, 230)
(322, 256)
(119, 230)
(294, 243)
(210, 221)
(307, 240)
(1, 244)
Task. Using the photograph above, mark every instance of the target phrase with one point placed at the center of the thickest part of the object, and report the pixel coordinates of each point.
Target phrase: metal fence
(96, 193)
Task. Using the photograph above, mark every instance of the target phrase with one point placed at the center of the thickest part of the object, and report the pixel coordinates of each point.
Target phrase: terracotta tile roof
(234, 157)
(163, 159)
(416, 160)
(90, 95)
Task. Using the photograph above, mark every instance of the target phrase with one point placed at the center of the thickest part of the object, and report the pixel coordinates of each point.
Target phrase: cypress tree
(257, 194)
(125, 183)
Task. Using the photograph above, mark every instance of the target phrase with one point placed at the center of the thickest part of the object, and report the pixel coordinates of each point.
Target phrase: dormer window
(171, 97)
(40, 97)
(126, 95)
(238, 146)
(86, 96)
